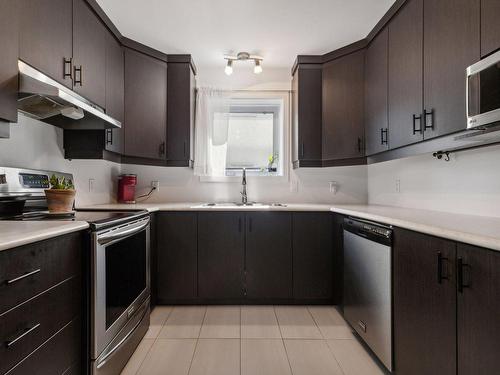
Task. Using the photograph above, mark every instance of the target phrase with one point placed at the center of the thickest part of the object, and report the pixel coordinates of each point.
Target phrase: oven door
(483, 93)
(120, 280)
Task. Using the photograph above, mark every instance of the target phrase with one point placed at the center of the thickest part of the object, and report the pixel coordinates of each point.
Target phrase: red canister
(126, 188)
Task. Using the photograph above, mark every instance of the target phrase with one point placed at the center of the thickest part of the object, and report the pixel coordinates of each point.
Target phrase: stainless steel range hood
(44, 99)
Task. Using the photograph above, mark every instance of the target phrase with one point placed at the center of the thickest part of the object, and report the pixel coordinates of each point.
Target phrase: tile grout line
(197, 341)
(154, 340)
(283, 343)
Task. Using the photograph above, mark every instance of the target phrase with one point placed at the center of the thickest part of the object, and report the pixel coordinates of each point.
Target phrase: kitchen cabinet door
(268, 255)
(451, 44)
(424, 304)
(177, 257)
(306, 116)
(376, 121)
(490, 27)
(46, 37)
(343, 107)
(313, 263)
(478, 310)
(115, 91)
(406, 75)
(180, 113)
(221, 246)
(145, 127)
(89, 54)
(9, 41)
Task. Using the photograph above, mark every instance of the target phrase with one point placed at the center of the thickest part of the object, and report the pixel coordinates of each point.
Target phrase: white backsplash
(468, 184)
(36, 145)
(313, 186)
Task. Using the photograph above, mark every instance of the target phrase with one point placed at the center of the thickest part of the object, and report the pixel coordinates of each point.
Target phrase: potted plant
(271, 161)
(61, 195)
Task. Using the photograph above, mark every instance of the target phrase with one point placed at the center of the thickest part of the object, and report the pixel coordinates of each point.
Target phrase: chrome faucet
(244, 197)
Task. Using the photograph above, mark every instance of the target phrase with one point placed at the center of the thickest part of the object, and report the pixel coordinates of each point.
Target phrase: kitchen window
(241, 132)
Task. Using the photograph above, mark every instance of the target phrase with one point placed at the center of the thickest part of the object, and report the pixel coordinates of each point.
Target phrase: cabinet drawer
(27, 326)
(60, 354)
(28, 270)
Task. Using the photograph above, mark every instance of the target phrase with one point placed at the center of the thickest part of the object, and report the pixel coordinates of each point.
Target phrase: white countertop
(481, 231)
(17, 233)
(475, 230)
(197, 206)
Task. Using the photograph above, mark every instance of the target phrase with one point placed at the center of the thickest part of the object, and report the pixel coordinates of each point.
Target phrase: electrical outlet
(398, 185)
(91, 185)
(334, 187)
(156, 185)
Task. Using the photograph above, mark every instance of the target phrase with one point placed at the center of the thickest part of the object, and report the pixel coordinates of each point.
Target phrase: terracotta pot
(60, 200)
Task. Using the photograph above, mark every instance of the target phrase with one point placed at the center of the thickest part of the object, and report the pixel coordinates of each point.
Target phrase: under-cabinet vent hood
(44, 99)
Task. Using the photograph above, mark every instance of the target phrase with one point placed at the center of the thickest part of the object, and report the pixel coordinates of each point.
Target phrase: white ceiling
(279, 30)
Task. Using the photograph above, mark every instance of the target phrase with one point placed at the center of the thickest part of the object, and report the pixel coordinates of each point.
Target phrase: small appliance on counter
(126, 188)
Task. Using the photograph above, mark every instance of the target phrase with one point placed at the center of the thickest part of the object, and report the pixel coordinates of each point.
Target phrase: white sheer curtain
(211, 126)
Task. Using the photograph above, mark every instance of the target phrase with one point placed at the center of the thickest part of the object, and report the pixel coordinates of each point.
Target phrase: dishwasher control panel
(372, 231)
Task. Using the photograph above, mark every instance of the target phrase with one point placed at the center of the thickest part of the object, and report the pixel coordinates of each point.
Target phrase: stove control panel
(34, 181)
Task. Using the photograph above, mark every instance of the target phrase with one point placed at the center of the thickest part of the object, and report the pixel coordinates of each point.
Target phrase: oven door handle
(126, 232)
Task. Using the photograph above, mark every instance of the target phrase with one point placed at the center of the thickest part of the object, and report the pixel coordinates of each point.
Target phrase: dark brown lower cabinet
(478, 311)
(312, 255)
(268, 255)
(221, 246)
(41, 294)
(424, 304)
(177, 253)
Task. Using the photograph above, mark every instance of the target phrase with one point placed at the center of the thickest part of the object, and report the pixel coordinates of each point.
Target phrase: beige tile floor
(249, 340)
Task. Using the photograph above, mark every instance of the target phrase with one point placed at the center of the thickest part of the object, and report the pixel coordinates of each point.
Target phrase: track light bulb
(229, 67)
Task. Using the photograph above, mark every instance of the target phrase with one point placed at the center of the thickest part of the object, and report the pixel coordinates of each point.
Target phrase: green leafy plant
(61, 183)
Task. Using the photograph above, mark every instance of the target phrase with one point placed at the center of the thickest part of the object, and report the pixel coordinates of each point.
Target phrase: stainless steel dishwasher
(368, 285)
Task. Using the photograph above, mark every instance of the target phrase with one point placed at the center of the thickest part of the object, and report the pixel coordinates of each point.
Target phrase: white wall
(468, 184)
(36, 145)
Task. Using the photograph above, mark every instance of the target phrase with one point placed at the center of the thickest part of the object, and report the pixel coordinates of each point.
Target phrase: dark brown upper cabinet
(490, 27)
(8, 63)
(451, 44)
(180, 114)
(115, 82)
(376, 121)
(306, 115)
(405, 75)
(424, 304)
(145, 126)
(89, 54)
(478, 323)
(343, 109)
(46, 37)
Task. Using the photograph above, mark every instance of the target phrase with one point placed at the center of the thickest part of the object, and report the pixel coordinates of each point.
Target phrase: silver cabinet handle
(12, 281)
(20, 337)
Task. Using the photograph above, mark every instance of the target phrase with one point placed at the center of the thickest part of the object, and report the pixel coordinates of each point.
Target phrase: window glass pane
(250, 140)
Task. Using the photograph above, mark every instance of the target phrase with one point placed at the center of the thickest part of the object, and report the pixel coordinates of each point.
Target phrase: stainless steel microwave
(483, 93)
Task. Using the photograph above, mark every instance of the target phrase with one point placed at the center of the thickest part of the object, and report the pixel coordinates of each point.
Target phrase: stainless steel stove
(118, 266)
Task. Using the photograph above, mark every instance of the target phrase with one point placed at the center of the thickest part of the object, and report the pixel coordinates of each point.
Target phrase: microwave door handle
(122, 233)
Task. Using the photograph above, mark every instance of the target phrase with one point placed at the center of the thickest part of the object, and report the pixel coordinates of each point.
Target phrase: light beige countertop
(197, 206)
(481, 231)
(475, 230)
(17, 233)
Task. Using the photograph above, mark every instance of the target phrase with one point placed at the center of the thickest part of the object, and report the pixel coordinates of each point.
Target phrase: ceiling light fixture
(243, 56)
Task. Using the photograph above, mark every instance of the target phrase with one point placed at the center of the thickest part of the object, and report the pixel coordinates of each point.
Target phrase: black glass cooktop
(96, 219)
